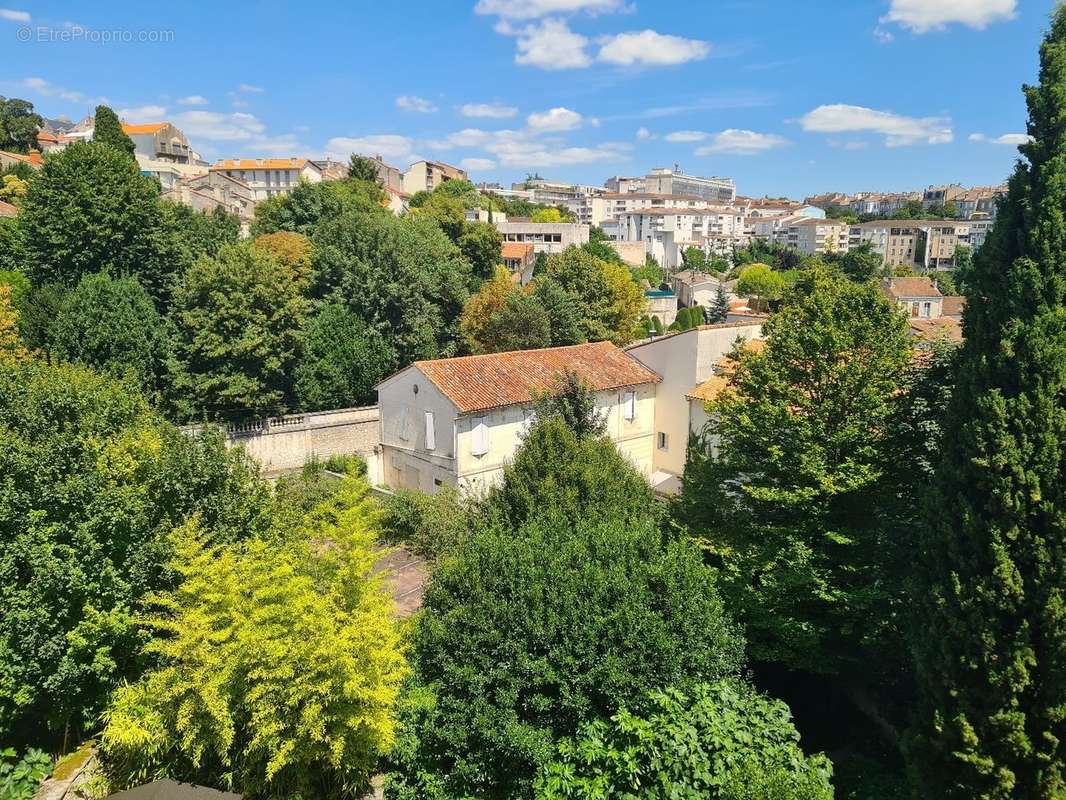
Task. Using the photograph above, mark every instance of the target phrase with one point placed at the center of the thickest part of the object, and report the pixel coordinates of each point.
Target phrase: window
(629, 406)
(914, 309)
(431, 432)
(664, 441)
(479, 444)
(927, 310)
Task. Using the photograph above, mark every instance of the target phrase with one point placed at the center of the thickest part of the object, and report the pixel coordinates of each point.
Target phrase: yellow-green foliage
(280, 663)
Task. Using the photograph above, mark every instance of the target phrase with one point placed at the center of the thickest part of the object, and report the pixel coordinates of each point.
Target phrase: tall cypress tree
(990, 635)
(107, 129)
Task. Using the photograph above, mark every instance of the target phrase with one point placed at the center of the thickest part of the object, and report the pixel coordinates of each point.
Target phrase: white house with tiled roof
(458, 421)
(267, 177)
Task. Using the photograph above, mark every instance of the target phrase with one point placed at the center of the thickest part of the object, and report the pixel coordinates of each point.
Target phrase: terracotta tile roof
(478, 383)
(900, 288)
(8, 210)
(929, 329)
(150, 127)
(261, 163)
(45, 136)
(516, 250)
(953, 305)
(33, 158)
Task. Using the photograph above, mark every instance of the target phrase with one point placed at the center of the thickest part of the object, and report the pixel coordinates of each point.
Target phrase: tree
(963, 260)
(862, 263)
(237, 319)
(18, 125)
(991, 643)
(88, 210)
(400, 275)
(650, 271)
(548, 215)
(361, 168)
(12, 349)
(12, 251)
(480, 244)
(575, 404)
(39, 311)
(610, 301)
(695, 259)
(761, 282)
(599, 246)
(189, 234)
(13, 189)
(279, 663)
(308, 206)
(563, 309)
(626, 303)
(520, 325)
(93, 484)
(479, 310)
(447, 211)
(292, 250)
(719, 310)
(111, 325)
(721, 741)
(788, 500)
(534, 625)
(341, 361)
(107, 131)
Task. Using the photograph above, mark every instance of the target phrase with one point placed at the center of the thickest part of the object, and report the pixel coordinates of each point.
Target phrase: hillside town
(339, 473)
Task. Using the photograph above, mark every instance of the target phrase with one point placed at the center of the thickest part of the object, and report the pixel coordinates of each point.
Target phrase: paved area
(407, 577)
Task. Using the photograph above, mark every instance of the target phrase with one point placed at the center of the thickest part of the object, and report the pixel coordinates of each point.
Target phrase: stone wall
(284, 444)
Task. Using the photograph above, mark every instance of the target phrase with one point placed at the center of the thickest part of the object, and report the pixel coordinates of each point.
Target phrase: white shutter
(404, 424)
(528, 418)
(431, 433)
(630, 406)
(480, 444)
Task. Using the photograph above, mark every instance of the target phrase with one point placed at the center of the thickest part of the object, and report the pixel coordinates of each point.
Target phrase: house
(32, 159)
(458, 421)
(546, 237)
(213, 190)
(267, 177)
(428, 175)
(684, 361)
(519, 258)
(160, 141)
(712, 388)
(918, 298)
(947, 329)
(661, 303)
(953, 306)
(699, 288)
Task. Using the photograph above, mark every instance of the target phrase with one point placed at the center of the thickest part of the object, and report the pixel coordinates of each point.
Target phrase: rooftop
(149, 127)
(516, 250)
(723, 371)
(953, 305)
(900, 288)
(8, 210)
(947, 328)
(480, 383)
(261, 163)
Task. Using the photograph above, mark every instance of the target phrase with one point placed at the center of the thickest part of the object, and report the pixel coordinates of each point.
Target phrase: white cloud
(419, 105)
(526, 153)
(849, 144)
(247, 88)
(387, 145)
(741, 143)
(142, 113)
(43, 87)
(922, 16)
(235, 127)
(468, 137)
(474, 164)
(487, 110)
(652, 48)
(192, 100)
(14, 16)
(643, 134)
(550, 45)
(686, 136)
(1014, 139)
(897, 129)
(556, 119)
(533, 9)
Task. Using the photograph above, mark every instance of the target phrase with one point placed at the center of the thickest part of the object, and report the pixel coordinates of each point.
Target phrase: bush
(431, 525)
(19, 779)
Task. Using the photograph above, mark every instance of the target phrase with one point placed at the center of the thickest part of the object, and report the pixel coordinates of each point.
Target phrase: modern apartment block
(584, 202)
(428, 175)
(663, 180)
(160, 141)
(546, 237)
(268, 177)
(811, 236)
(928, 244)
(621, 184)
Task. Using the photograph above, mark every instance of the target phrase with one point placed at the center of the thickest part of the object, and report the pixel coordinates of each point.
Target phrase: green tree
(695, 259)
(762, 282)
(237, 319)
(279, 663)
(12, 251)
(719, 310)
(341, 361)
(564, 312)
(610, 301)
(110, 324)
(107, 131)
(12, 349)
(787, 500)
(721, 742)
(88, 210)
(990, 642)
(18, 125)
(531, 628)
(448, 212)
(361, 168)
(188, 234)
(308, 206)
(862, 263)
(599, 246)
(401, 276)
(574, 403)
(39, 311)
(12, 189)
(480, 244)
(93, 484)
(520, 325)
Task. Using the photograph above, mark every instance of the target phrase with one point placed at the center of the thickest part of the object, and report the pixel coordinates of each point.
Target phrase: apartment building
(666, 231)
(927, 244)
(160, 141)
(586, 203)
(546, 237)
(619, 184)
(942, 195)
(663, 180)
(428, 175)
(268, 177)
(811, 236)
(625, 202)
(980, 227)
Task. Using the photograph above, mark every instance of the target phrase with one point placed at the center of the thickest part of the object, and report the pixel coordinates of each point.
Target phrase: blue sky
(789, 98)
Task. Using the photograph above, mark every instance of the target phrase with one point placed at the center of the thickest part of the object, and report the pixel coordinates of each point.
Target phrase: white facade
(663, 180)
(428, 175)
(546, 237)
(268, 177)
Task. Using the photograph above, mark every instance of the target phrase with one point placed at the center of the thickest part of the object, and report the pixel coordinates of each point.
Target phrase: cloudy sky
(787, 97)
